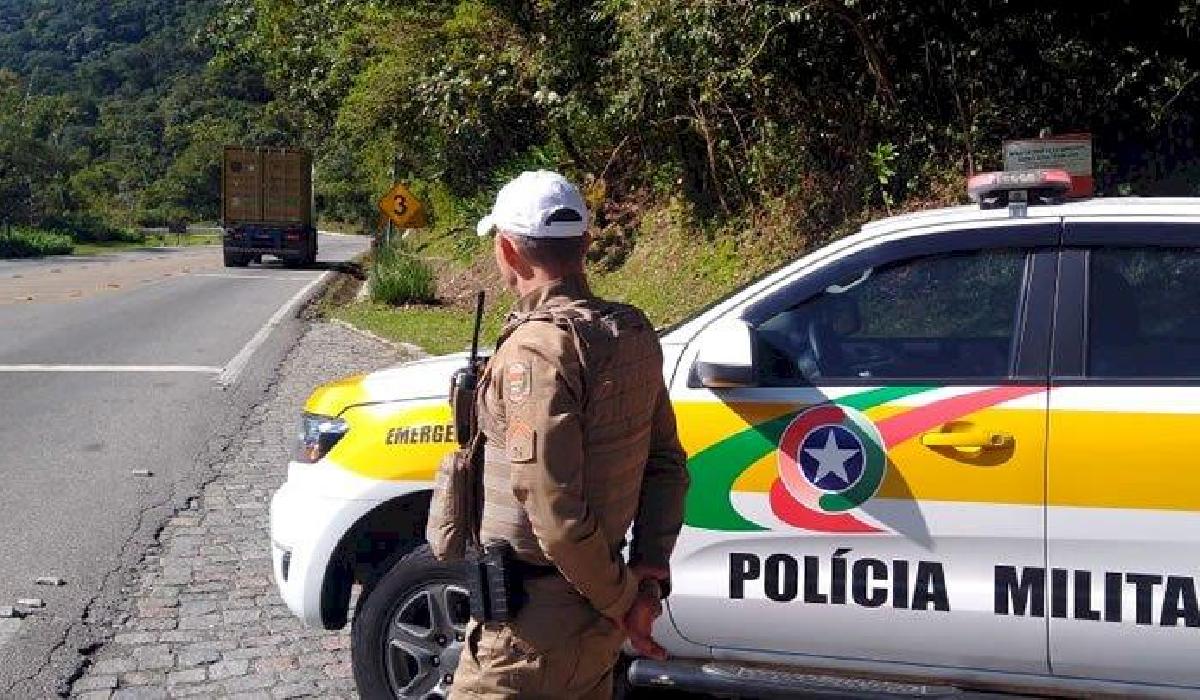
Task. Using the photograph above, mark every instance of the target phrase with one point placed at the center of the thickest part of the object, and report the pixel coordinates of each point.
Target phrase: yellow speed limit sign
(402, 207)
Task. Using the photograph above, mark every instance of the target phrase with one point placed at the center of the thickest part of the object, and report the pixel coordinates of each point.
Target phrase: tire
(408, 632)
(235, 260)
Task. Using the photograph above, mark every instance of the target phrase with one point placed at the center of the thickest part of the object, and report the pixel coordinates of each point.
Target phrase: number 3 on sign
(403, 208)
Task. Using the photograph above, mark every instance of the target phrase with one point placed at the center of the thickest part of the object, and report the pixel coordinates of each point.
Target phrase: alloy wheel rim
(424, 640)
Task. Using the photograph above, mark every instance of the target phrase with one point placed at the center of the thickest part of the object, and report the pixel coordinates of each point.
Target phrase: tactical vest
(621, 367)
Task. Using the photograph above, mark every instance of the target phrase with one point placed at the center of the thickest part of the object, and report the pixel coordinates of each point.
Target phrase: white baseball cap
(539, 204)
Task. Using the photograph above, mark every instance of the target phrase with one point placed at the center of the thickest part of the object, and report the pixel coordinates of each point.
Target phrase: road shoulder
(202, 616)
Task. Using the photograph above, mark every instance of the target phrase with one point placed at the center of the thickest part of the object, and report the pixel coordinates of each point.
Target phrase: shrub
(89, 228)
(398, 277)
(33, 243)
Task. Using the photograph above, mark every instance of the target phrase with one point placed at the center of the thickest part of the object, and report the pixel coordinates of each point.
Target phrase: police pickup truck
(953, 453)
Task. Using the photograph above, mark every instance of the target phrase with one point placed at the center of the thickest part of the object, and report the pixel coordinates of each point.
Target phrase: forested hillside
(784, 117)
(112, 112)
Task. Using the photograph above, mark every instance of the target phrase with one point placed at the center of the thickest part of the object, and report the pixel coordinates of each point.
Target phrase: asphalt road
(111, 365)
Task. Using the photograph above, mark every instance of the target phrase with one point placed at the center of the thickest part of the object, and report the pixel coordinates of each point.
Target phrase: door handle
(971, 440)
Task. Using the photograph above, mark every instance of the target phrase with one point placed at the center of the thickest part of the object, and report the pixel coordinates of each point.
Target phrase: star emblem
(831, 459)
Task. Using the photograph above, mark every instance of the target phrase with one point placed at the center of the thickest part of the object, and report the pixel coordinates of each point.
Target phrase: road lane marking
(228, 276)
(190, 369)
(234, 368)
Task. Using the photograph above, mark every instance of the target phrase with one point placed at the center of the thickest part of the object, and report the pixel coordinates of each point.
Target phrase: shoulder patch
(518, 381)
(521, 440)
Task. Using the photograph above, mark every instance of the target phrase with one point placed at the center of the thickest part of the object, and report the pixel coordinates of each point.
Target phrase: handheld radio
(464, 381)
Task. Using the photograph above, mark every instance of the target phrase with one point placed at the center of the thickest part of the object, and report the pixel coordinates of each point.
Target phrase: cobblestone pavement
(203, 618)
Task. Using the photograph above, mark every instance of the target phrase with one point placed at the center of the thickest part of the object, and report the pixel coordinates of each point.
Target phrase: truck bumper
(270, 240)
(258, 250)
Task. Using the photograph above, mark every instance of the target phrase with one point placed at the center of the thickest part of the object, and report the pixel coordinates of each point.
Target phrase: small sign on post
(403, 208)
(1069, 152)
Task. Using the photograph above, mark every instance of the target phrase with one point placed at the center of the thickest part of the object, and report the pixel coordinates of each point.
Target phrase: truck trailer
(267, 206)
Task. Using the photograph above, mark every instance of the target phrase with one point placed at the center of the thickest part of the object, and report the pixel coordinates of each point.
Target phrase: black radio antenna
(478, 325)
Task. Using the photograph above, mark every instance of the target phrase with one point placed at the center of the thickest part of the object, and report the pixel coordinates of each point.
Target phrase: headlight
(318, 435)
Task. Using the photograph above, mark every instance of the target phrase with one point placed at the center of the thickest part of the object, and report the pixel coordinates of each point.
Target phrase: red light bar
(980, 186)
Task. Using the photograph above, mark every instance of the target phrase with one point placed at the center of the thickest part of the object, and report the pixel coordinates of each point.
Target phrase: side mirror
(726, 356)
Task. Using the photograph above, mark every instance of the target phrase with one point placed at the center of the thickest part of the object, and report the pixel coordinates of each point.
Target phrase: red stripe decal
(897, 429)
(792, 512)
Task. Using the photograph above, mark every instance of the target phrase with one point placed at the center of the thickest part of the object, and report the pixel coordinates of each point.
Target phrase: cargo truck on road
(267, 206)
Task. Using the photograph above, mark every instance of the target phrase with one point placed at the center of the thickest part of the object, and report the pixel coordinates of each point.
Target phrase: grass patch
(345, 227)
(436, 329)
(398, 277)
(166, 240)
(673, 266)
(21, 242)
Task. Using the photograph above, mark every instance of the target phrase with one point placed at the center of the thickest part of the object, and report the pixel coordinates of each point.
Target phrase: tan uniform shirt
(581, 442)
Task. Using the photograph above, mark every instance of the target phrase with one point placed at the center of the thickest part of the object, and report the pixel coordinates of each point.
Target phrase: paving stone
(303, 675)
(144, 693)
(233, 617)
(204, 618)
(247, 653)
(134, 638)
(253, 682)
(97, 682)
(150, 624)
(154, 657)
(274, 664)
(113, 665)
(198, 690)
(227, 669)
(142, 678)
(201, 657)
(200, 622)
(183, 636)
(190, 676)
(294, 690)
(198, 607)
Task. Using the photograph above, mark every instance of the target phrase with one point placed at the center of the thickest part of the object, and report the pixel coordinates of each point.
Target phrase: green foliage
(399, 277)
(830, 109)
(883, 159)
(112, 109)
(835, 106)
(89, 228)
(23, 242)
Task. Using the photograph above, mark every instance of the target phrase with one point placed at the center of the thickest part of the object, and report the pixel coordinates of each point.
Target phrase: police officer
(580, 444)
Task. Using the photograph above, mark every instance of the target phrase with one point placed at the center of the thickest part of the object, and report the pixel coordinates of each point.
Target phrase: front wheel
(408, 633)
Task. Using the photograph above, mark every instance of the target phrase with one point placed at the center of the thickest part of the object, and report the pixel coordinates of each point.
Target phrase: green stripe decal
(715, 468)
